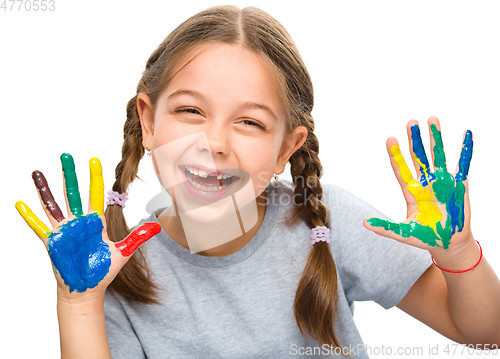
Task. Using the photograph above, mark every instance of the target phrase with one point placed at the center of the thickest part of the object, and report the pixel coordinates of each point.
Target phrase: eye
(253, 124)
(189, 110)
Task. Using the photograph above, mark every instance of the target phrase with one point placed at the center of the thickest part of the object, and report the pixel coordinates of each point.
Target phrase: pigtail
(133, 281)
(316, 297)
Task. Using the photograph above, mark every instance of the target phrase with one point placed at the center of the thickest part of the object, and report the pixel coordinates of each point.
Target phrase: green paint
(444, 233)
(447, 190)
(439, 157)
(424, 233)
(443, 186)
(72, 192)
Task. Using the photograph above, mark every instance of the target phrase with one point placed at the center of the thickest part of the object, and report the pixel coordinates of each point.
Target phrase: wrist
(79, 302)
(458, 259)
(81, 309)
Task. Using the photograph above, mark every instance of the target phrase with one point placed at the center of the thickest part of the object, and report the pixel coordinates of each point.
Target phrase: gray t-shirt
(241, 305)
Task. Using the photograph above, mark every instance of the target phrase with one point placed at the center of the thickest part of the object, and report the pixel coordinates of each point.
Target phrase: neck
(172, 224)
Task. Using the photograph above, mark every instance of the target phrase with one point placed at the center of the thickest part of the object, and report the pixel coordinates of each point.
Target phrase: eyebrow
(185, 92)
(248, 104)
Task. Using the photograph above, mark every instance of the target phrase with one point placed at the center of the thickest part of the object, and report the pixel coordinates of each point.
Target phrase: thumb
(137, 237)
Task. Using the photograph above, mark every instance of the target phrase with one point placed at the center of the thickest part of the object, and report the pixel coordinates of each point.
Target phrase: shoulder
(338, 197)
(334, 197)
(287, 187)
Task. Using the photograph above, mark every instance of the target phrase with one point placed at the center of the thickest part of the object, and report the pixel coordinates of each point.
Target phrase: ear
(292, 143)
(145, 109)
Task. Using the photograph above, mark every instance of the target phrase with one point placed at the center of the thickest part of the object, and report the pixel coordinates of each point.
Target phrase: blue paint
(418, 149)
(446, 189)
(465, 157)
(79, 253)
(455, 206)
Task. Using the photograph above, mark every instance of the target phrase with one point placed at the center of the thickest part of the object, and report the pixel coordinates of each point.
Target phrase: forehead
(230, 70)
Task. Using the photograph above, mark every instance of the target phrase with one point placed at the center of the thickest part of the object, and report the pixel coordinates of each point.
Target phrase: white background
(66, 77)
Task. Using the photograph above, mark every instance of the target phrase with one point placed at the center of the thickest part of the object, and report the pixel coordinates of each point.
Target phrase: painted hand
(438, 211)
(83, 257)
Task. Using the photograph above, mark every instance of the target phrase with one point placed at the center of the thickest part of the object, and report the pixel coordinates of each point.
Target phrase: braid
(132, 150)
(306, 171)
(133, 281)
(316, 296)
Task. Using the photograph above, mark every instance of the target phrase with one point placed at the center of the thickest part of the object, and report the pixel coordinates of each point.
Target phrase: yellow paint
(424, 167)
(33, 221)
(96, 186)
(429, 213)
(426, 172)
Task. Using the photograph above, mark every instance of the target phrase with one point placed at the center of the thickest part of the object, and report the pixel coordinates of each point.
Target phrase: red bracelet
(462, 271)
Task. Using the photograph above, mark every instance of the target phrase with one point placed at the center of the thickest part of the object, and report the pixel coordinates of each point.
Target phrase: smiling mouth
(206, 182)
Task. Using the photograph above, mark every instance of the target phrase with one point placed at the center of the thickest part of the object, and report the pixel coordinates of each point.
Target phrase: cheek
(259, 161)
(167, 131)
(170, 142)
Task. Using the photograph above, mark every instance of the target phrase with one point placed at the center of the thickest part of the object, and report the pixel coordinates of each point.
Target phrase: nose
(217, 139)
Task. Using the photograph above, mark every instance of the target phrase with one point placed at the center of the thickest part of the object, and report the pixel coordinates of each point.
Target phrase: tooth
(205, 188)
(202, 174)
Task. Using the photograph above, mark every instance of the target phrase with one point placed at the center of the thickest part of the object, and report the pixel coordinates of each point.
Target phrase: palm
(84, 259)
(438, 208)
(81, 253)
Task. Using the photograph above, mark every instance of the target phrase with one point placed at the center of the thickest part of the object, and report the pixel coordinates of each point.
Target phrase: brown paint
(47, 197)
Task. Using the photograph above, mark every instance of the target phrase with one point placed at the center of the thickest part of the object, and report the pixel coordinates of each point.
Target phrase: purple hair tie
(116, 198)
(320, 233)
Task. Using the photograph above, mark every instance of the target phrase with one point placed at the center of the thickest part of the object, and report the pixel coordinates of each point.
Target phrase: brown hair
(316, 297)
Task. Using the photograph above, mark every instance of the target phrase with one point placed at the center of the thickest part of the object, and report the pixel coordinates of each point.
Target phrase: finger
(418, 154)
(428, 212)
(41, 230)
(438, 156)
(444, 186)
(54, 213)
(465, 157)
(138, 236)
(96, 197)
(403, 231)
(74, 201)
(461, 198)
(401, 170)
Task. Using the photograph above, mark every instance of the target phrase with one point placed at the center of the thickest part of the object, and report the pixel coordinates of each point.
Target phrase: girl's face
(220, 113)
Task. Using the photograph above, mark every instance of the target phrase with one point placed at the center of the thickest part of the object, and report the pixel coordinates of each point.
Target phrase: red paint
(137, 237)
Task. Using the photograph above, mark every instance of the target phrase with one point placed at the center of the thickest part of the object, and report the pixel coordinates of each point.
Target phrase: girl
(224, 103)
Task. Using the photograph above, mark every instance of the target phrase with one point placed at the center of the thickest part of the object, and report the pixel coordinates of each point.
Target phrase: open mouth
(205, 182)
